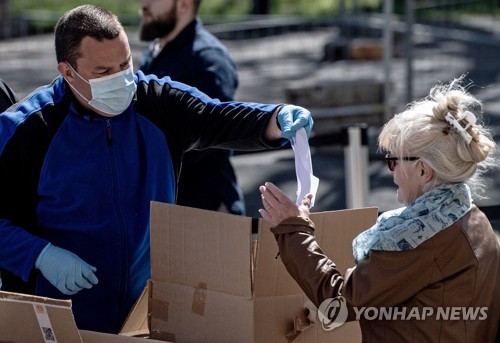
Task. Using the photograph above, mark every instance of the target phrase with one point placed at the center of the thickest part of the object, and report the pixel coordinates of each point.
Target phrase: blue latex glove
(66, 271)
(291, 118)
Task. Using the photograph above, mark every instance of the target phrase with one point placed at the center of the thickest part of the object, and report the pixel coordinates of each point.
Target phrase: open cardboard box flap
(334, 233)
(212, 283)
(28, 318)
(203, 248)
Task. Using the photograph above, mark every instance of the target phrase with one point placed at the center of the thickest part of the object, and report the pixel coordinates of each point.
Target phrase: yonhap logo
(332, 313)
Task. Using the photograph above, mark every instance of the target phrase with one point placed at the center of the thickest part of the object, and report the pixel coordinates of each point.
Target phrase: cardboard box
(27, 318)
(99, 337)
(212, 283)
(32, 319)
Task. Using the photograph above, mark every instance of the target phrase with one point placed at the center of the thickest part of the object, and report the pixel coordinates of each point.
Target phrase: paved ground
(269, 65)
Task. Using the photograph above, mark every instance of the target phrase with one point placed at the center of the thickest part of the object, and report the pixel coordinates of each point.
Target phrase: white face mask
(111, 94)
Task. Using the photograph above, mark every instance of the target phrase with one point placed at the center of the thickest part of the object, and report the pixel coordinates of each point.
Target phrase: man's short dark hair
(80, 22)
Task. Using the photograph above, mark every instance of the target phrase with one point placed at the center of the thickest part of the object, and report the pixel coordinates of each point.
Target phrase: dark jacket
(84, 183)
(197, 58)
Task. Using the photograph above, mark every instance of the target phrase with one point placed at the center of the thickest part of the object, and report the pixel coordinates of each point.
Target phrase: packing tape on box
(306, 181)
(304, 320)
(199, 297)
(162, 336)
(42, 316)
(159, 309)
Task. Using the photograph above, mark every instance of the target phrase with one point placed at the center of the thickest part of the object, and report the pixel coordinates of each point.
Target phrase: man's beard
(158, 27)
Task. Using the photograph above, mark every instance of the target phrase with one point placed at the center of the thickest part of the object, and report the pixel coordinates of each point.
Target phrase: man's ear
(185, 7)
(65, 71)
(426, 172)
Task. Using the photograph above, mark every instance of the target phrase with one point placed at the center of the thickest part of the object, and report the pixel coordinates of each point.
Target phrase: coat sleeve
(384, 279)
(193, 120)
(313, 271)
(19, 248)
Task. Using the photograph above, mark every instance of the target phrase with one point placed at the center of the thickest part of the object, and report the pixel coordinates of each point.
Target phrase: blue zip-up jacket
(84, 183)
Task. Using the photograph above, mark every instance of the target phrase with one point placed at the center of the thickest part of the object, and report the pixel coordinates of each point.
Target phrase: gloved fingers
(299, 121)
(75, 284)
(286, 121)
(82, 283)
(88, 274)
(72, 281)
(309, 126)
(83, 276)
(306, 124)
(304, 120)
(292, 118)
(288, 134)
(65, 288)
(66, 271)
(73, 291)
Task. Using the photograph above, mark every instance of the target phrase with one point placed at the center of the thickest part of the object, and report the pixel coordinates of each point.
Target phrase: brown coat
(458, 267)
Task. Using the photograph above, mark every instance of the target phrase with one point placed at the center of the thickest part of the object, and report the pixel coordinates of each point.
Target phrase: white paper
(306, 181)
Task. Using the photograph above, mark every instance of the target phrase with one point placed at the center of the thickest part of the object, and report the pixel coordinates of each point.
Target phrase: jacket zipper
(109, 138)
(123, 274)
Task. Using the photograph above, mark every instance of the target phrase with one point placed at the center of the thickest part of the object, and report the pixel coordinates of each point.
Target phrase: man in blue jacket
(184, 50)
(81, 159)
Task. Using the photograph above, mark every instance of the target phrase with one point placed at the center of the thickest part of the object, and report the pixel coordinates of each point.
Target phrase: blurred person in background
(438, 251)
(184, 50)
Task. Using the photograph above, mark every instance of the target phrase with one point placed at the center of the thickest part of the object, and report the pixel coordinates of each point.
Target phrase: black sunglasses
(391, 161)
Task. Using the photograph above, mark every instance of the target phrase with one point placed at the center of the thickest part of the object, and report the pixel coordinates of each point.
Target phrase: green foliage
(61, 6)
(321, 8)
(225, 7)
(43, 14)
(208, 7)
(46, 12)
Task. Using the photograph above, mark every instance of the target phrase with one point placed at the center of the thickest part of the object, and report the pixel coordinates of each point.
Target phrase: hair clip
(469, 119)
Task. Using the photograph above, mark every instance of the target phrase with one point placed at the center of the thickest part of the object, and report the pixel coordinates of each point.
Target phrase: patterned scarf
(407, 227)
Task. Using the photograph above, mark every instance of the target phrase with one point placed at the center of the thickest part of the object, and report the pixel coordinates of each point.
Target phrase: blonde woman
(436, 253)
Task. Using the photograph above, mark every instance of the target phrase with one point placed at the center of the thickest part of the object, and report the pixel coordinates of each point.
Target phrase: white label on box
(44, 321)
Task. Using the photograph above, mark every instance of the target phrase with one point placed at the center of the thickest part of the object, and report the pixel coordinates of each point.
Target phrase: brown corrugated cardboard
(99, 337)
(26, 318)
(209, 286)
(32, 319)
(137, 322)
